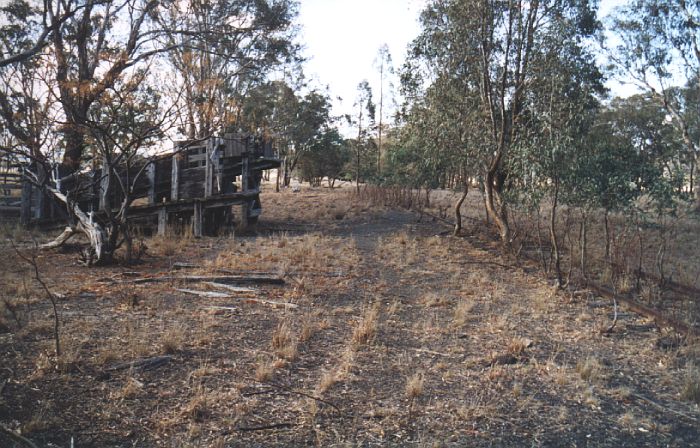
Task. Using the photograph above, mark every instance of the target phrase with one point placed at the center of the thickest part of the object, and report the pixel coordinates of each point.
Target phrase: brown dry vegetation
(402, 335)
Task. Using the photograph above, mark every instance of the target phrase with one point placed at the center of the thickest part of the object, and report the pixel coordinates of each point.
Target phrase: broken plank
(209, 294)
(229, 287)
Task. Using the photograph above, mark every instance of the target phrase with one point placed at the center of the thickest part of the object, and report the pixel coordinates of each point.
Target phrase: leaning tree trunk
(458, 206)
(99, 252)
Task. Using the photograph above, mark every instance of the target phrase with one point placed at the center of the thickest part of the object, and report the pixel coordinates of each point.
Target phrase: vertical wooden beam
(197, 220)
(25, 211)
(216, 162)
(175, 179)
(245, 169)
(151, 174)
(162, 220)
(38, 193)
(208, 168)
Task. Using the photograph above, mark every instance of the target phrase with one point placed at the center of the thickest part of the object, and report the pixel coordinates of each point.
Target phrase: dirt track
(403, 336)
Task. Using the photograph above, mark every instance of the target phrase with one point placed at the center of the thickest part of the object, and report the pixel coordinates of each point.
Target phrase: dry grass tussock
(284, 342)
(366, 328)
(289, 255)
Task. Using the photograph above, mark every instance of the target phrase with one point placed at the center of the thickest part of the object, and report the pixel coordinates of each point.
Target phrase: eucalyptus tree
(223, 49)
(364, 119)
(659, 50)
(499, 55)
(384, 65)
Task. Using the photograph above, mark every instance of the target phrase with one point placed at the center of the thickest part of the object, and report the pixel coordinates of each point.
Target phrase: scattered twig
(422, 350)
(665, 409)
(284, 389)
(31, 261)
(267, 427)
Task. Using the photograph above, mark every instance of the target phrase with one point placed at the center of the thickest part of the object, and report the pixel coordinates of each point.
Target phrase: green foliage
(327, 157)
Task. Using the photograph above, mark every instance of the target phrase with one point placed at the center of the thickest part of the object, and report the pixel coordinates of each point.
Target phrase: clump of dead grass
(432, 299)
(591, 369)
(366, 328)
(414, 386)
(462, 312)
(199, 407)
(264, 371)
(173, 242)
(283, 341)
(172, 340)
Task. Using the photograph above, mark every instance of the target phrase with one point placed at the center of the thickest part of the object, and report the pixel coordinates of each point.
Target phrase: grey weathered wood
(209, 294)
(151, 176)
(208, 170)
(198, 220)
(38, 199)
(245, 172)
(26, 207)
(175, 180)
(104, 185)
(162, 221)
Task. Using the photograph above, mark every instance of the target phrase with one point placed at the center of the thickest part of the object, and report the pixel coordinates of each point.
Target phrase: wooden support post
(208, 169)
(151, 174)
(38, 200)
(216, 162)
(198, 220)
(25, 211)
(162, 220)
(245, 168)
(38, 194)
(175, 179)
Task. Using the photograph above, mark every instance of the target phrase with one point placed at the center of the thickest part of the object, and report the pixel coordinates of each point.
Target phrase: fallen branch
(141, 364)
(67, 234)
(266, 427)
(665, 409)
(16, 437)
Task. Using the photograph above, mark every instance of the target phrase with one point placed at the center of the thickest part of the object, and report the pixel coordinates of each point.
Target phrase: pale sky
(342, 38)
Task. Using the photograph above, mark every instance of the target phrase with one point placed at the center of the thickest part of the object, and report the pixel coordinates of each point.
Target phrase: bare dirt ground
(387, 332)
